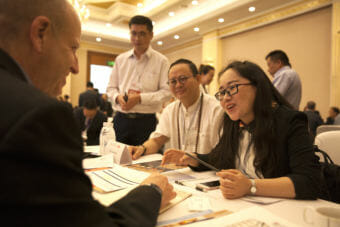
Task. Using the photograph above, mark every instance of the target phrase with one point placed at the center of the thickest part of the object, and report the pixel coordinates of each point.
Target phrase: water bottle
(106, 134)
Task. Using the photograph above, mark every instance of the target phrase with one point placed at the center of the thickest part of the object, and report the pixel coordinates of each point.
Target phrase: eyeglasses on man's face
(231, 90)
(181, 80)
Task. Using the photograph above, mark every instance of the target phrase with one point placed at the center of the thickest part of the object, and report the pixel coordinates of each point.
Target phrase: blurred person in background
(90, 120)
(285, 79)
(333, 113)
(314, 118)
(206, 75)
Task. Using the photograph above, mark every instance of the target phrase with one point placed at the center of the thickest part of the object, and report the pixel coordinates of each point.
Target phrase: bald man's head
(16, 16)
(43, 37)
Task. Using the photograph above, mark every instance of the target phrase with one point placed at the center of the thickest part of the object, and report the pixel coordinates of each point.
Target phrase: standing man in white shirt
(286, 80)
(191, 123)
(138, 85)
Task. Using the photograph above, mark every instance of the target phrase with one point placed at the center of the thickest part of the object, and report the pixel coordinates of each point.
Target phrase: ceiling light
(108, 25)
(98, 39)
(81, 9)
(140, 5)
(171, 14)
(176, 36)
(160, 43)
(194, 2)
(196, 29)
(153, 23)
(221, 20)
(251, 9)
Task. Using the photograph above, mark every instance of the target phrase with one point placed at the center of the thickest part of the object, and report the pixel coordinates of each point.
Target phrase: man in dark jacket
(43, 183)
(89, 94)
(314, 118)
(90, 121)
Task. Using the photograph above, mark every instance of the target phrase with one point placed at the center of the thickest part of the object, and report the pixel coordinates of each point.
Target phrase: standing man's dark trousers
(134, 128)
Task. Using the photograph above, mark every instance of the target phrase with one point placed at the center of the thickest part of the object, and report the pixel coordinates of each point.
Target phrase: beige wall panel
(193, 53)
(307, 41)
(77, 83)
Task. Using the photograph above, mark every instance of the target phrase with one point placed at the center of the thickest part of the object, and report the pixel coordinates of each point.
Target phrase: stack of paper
(100, 162)
(117, 178)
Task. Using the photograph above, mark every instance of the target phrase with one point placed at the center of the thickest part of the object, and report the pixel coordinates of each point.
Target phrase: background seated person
(333, 113)
(89, 94)
(90, 121)
(313, 116)
(191, 123)
(265, 148)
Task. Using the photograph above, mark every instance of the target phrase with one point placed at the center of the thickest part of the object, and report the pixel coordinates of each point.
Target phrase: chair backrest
(330, 143)
(326, 128)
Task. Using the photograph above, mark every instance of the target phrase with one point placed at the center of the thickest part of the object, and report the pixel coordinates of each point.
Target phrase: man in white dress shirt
(138, 85)
(191, 123)
(286, 80)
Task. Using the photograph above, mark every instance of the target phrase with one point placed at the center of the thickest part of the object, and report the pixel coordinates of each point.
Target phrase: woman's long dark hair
(263, 133)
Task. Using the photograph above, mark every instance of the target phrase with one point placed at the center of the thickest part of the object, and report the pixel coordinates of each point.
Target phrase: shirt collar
(29, 81)
(147, 53)
(10, 64)
(250, 127)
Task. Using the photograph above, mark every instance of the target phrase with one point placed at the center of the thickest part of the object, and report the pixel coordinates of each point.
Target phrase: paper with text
(117, 178)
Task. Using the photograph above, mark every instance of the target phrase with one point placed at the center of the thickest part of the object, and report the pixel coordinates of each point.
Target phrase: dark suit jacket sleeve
(44, 183)
(303, 163)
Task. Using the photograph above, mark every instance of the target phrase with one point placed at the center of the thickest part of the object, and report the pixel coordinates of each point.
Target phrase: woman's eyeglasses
(231, 90)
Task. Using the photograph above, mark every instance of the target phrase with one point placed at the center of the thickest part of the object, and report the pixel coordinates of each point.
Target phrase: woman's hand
(178, 157)
(233, 183)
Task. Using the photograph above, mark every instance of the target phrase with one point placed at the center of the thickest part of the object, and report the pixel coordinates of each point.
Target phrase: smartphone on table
(209, 185)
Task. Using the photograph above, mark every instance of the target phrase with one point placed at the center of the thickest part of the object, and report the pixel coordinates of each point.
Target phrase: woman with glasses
(265, 148)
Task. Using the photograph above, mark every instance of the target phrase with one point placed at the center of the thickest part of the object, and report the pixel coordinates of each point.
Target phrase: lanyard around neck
(198, 126)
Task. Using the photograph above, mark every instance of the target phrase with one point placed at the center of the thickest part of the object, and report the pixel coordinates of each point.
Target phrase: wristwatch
(253, 187)
(155, 186)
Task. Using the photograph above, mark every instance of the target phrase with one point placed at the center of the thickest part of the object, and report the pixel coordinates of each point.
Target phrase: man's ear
(39, 30)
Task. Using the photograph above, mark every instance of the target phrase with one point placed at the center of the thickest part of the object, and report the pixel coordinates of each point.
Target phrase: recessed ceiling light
(108, 25)
(98, 39)
(171, 14)
(140, 5)
(176, 36)
(251, 9)
(196, 29)
(221, 20)
(160, 43)
(194, 2)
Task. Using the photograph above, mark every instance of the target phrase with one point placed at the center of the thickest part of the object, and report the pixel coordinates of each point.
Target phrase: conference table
(286, 212)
